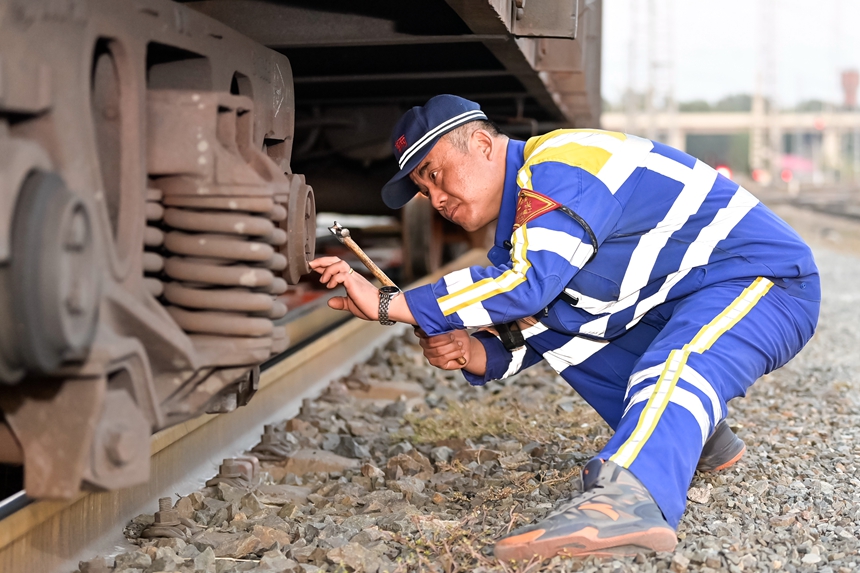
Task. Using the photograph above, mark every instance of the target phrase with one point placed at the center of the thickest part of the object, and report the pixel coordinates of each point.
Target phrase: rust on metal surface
(168, 523)
(70, 526)
(273, 445)
(237, 472)
(149, 219)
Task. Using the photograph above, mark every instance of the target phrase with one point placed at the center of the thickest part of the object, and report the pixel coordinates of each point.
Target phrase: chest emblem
(531, 205)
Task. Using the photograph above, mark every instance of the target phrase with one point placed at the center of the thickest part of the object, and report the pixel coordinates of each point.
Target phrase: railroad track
(48, 536)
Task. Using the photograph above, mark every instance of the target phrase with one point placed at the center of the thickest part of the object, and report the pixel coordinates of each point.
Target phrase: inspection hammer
(344, 237)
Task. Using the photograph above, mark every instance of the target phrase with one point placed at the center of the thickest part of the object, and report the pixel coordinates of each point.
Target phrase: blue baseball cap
(415, 135)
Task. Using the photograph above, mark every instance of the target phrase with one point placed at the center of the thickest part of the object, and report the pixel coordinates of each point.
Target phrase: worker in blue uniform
(656, 287)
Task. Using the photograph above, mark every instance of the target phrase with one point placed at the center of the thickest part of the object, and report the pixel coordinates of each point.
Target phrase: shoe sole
(727, 464)
(584, 542)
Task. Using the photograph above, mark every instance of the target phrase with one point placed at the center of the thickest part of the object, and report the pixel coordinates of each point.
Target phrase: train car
(155, 161)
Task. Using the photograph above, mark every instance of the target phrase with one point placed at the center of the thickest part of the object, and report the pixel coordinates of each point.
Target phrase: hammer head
(340, 232)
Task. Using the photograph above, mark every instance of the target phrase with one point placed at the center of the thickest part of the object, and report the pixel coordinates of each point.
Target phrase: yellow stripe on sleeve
(489, 287)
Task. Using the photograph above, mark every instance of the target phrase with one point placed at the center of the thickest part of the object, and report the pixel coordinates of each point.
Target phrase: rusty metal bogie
(145, 229)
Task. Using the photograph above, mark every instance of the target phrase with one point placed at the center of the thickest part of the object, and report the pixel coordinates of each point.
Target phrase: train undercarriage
(155, 162)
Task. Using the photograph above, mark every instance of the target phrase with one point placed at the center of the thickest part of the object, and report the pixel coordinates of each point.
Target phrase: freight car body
(148, 220)
(151, 209)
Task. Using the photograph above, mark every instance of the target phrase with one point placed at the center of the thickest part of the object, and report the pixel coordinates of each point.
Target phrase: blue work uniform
(661, 291)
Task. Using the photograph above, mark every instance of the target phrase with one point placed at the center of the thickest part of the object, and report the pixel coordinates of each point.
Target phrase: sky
(718, 47)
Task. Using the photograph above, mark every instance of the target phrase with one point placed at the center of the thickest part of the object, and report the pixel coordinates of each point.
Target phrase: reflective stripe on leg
(665, 386)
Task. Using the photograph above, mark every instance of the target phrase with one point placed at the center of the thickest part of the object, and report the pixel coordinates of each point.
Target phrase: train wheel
(55, 283)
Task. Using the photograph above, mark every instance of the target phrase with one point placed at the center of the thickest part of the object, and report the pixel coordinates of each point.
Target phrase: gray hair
(459, 137)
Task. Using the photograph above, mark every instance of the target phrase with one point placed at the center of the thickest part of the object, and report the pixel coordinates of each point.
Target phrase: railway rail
(50, 536)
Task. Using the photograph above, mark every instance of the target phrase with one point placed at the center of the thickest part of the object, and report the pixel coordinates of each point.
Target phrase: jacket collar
(499, 253)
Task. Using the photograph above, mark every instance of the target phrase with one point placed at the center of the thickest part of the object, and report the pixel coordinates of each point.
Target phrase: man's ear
(483, 142)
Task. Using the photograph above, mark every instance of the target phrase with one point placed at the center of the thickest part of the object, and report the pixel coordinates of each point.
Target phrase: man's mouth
(450, 214)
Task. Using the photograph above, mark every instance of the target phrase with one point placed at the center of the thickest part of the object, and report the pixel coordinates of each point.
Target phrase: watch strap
(384, 303)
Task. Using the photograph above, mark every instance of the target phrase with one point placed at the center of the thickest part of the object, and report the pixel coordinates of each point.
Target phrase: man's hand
(444, 350)
(362, 298)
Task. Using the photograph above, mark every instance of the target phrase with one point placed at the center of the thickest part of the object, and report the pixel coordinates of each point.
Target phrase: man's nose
(438, 198)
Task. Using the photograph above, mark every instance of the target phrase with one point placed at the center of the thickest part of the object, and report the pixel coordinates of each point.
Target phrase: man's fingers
(449, 350)
(338, 303)
(338, 269)
(437, 341)
(323, 262)
(440, 349)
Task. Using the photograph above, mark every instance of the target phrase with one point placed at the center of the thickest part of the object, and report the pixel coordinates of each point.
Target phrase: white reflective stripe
(683, 398)
(522, 177)
(651, 244)
(474, 315)
(716, 327)
(651, 414)
(458, 280)
(598, 326)
(699, 251)
(698, 381)
(642, 375)
(584, 138)
(519, 354)
(534, 330)
(487, 288)
(658, 297)
(589, 304)
(688, 375)
(640, 396)
(668, 167)
(516, 362)
(576, 351)
(718, 229)
(693, 405)
(566, 246)
(631, 154)
(449, 124)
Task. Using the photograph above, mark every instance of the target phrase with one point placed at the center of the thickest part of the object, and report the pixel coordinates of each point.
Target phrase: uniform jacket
(653, 225)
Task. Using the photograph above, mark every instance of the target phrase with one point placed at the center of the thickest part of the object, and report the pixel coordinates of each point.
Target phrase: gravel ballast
(402, 467)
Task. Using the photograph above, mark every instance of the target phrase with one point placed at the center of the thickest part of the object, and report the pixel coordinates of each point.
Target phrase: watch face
(389, 290)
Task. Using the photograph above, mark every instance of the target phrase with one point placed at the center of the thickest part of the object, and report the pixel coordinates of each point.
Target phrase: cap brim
(400, 189)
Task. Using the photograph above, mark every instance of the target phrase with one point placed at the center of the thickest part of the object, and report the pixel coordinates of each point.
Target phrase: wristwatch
(386, 295)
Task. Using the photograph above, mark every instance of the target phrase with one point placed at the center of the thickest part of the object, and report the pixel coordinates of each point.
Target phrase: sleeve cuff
(498, 359)
(422, 303)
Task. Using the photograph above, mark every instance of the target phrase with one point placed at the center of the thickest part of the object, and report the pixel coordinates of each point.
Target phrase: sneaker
(614, 515)
(723, 449)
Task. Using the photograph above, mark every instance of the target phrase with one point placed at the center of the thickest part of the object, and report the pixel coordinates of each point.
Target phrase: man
(657, 288)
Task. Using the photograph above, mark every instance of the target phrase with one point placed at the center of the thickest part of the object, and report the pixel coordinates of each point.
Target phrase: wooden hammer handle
(371, 266)
(377, 272)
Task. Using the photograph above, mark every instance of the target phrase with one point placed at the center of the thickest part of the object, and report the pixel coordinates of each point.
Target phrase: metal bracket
(545, 19)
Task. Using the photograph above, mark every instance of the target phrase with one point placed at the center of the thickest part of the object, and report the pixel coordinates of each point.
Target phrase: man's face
(466, 188)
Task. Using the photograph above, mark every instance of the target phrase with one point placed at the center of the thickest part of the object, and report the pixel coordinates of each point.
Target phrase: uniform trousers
(664, 384)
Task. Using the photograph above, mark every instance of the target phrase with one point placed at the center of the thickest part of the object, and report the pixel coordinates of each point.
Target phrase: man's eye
(433, 176)
(424, 193)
